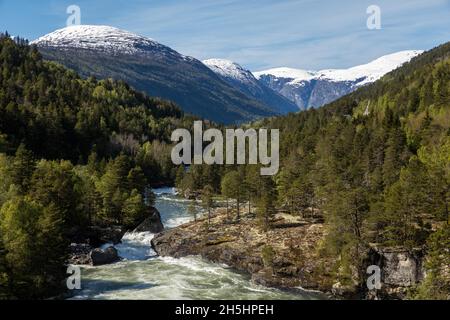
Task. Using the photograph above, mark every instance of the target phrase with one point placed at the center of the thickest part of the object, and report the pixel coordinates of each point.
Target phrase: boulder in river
(151, 224)
(112, 234)
(100, 257)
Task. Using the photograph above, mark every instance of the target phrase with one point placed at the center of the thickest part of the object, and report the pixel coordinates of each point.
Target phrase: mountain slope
(58, 115)
(147, 65)
(245, 81)
(310, 89)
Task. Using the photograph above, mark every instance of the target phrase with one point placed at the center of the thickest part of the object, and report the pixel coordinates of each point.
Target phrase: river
(144, 276)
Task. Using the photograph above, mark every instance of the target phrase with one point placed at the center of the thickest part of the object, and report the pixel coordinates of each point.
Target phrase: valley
(85, 140)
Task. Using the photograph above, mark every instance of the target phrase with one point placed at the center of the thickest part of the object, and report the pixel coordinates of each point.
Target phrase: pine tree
(192, 209)
(436, 285)
(22, 168)
(36, 250)
(55, 183)
(232, 188)
(113, 188)
(437, 161)
(394, 157)
(252, 182)
(406, 202)
(207, 200)
(136, 179)
(133, 210)
(266, 201)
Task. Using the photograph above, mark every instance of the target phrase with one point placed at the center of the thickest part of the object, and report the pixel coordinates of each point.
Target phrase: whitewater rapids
(142, 275)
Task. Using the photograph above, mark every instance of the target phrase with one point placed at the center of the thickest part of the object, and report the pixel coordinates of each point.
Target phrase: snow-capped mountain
(107, 52)
(245, 81)
(103, 38)
(216, 89)
(316, 88)
(229, 69)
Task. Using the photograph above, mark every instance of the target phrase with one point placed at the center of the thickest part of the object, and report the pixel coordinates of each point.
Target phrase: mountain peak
(367, 73)
(287, 73)
(316, 88)
(230, 69)
(101, 38)
(244, 81)
(371, 71)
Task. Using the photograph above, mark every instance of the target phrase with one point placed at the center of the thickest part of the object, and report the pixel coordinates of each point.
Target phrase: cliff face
(400, 270)
(294, 244)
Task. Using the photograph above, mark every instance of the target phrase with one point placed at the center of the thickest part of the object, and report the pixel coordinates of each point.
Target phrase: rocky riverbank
(85, 248)
(286, 256)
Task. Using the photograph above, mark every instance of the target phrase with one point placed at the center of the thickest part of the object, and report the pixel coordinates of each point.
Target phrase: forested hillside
(375, 165)
(73, 153)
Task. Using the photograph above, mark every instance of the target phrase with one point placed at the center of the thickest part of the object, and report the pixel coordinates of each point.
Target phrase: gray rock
(100, 235)
(401, 268)
(151, 224)
(100, 257)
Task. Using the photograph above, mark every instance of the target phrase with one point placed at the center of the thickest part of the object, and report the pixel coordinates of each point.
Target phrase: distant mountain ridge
(107, 52)
(309, 89)
(245, 81)
(215, 89)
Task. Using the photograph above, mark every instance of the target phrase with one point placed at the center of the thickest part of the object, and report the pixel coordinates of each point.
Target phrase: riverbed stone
(100, 257)
(152, 223)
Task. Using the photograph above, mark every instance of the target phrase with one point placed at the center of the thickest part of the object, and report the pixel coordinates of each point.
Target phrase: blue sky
(259, 34)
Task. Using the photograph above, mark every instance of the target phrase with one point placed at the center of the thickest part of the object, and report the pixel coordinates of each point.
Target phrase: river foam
(142, 275)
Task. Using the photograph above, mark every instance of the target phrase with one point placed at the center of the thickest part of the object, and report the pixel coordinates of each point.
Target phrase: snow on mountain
(280, 90)
(102, 38)
(287, 73)
(146, 65)
(316, 88)
(370, 72)
(227, 68)
(244, 81)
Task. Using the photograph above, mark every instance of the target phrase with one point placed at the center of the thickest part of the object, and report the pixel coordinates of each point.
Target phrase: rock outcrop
(151, 224)
(101, 235)
(96, 236)
(401, 269)
(295, 261)
(295, 243)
